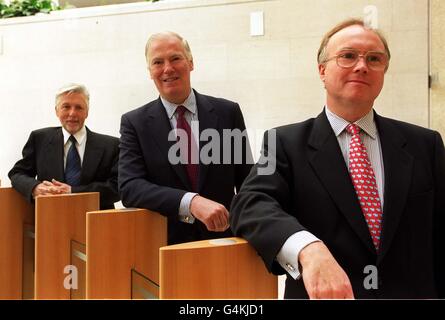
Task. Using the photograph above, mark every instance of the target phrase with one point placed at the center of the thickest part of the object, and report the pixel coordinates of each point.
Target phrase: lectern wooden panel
(119, 243)
(79, 261)
(28, 261)
(59, 220)
(15, 211)
(226, 268)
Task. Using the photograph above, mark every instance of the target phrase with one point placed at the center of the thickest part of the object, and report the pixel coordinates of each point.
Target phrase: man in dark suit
(356, 204)
(194, 194)
(71, 158)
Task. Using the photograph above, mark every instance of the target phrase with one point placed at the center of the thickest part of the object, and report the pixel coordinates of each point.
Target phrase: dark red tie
(192, 168)
(365, 184)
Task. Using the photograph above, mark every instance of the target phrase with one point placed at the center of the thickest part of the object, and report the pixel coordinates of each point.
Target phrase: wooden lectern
(227, 268)
(123, 253)
(15, 214)
(60, 244)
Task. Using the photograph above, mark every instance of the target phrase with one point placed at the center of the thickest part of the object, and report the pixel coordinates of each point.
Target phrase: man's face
(170, 69)
(72, 111)
(357, 86)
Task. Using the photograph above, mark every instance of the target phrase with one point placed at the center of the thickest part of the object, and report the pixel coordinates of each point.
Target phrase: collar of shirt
(79, 135)
(366, 123)
(189, 104)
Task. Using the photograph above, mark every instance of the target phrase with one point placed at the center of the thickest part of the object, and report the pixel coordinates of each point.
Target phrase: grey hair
(185, 44)
(73, 88)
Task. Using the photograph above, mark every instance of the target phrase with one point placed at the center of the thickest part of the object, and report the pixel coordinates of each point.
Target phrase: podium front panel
(123, 250)
(142, 287)
(79, 264)
(59, 220)
(226, 268)
(15, 211)
(28, 261)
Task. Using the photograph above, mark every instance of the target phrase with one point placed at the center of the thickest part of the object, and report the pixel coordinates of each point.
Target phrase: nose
(72, 112)
(361, 65)
(168, 67)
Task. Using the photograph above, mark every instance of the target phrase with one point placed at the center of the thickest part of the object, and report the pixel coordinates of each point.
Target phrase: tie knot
(353, 129)
(181, 110)
(73, 139)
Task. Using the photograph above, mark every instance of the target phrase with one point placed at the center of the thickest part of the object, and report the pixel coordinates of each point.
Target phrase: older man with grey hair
(194, 195)
(70, 158)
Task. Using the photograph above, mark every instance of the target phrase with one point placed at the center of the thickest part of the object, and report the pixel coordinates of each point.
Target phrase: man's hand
(42, 189)
(322, 276)
(53, 187)
(213, 214)
(62, 187)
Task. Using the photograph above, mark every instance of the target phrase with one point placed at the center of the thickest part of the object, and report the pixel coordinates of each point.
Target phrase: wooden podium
(15, 214)
(60, 244)
(123, 253)
(227, 268)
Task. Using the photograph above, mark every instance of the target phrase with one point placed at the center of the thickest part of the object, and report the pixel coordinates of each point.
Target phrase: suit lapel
(54, 156)
(91, 158)
(207, 120)
(397, 164)
(159, 127)
(329, 165)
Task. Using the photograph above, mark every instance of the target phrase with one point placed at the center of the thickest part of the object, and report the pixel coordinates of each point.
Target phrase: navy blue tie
(72, 167)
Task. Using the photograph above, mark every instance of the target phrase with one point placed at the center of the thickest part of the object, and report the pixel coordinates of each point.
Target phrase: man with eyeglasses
(356, 205)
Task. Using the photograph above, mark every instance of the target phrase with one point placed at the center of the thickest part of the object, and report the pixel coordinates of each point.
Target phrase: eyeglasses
(375, 60)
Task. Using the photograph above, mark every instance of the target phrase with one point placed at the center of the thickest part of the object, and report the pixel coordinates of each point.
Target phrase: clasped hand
(51, 187)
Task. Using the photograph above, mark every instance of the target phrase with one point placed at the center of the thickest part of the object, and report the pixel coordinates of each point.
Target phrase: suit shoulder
(219, 101)
(45, 131)
(44, 134)
(135, 113)
(295, 129)
(409, 129)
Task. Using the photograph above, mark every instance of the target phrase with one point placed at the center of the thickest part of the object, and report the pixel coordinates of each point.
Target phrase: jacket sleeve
(259, 212)
(134, 186)
(439, 223)
(23, 174)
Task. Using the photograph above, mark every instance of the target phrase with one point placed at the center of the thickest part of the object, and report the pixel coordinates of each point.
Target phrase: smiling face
(72, 110)
(170, 68)
(351, 92)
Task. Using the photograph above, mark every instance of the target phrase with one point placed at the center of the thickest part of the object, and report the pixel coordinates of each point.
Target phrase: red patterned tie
(192, 168)
(365, 184)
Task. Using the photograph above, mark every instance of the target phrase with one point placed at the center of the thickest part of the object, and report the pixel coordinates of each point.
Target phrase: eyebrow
(350, 48)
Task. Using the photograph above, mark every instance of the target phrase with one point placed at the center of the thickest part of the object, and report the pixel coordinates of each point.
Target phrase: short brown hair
(321, 56)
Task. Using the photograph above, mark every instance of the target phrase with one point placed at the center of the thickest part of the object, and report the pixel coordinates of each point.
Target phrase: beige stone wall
(438, 65)
(273, 77)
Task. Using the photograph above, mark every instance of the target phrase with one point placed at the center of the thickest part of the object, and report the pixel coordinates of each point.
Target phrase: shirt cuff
(288, 255)
(184, 208)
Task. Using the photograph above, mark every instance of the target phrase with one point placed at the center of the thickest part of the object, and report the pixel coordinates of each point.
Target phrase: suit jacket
(148, 180)
(311, 190)
(43, 160)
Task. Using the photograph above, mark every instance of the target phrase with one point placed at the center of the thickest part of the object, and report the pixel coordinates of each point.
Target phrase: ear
(191, 65)
(321, 71)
